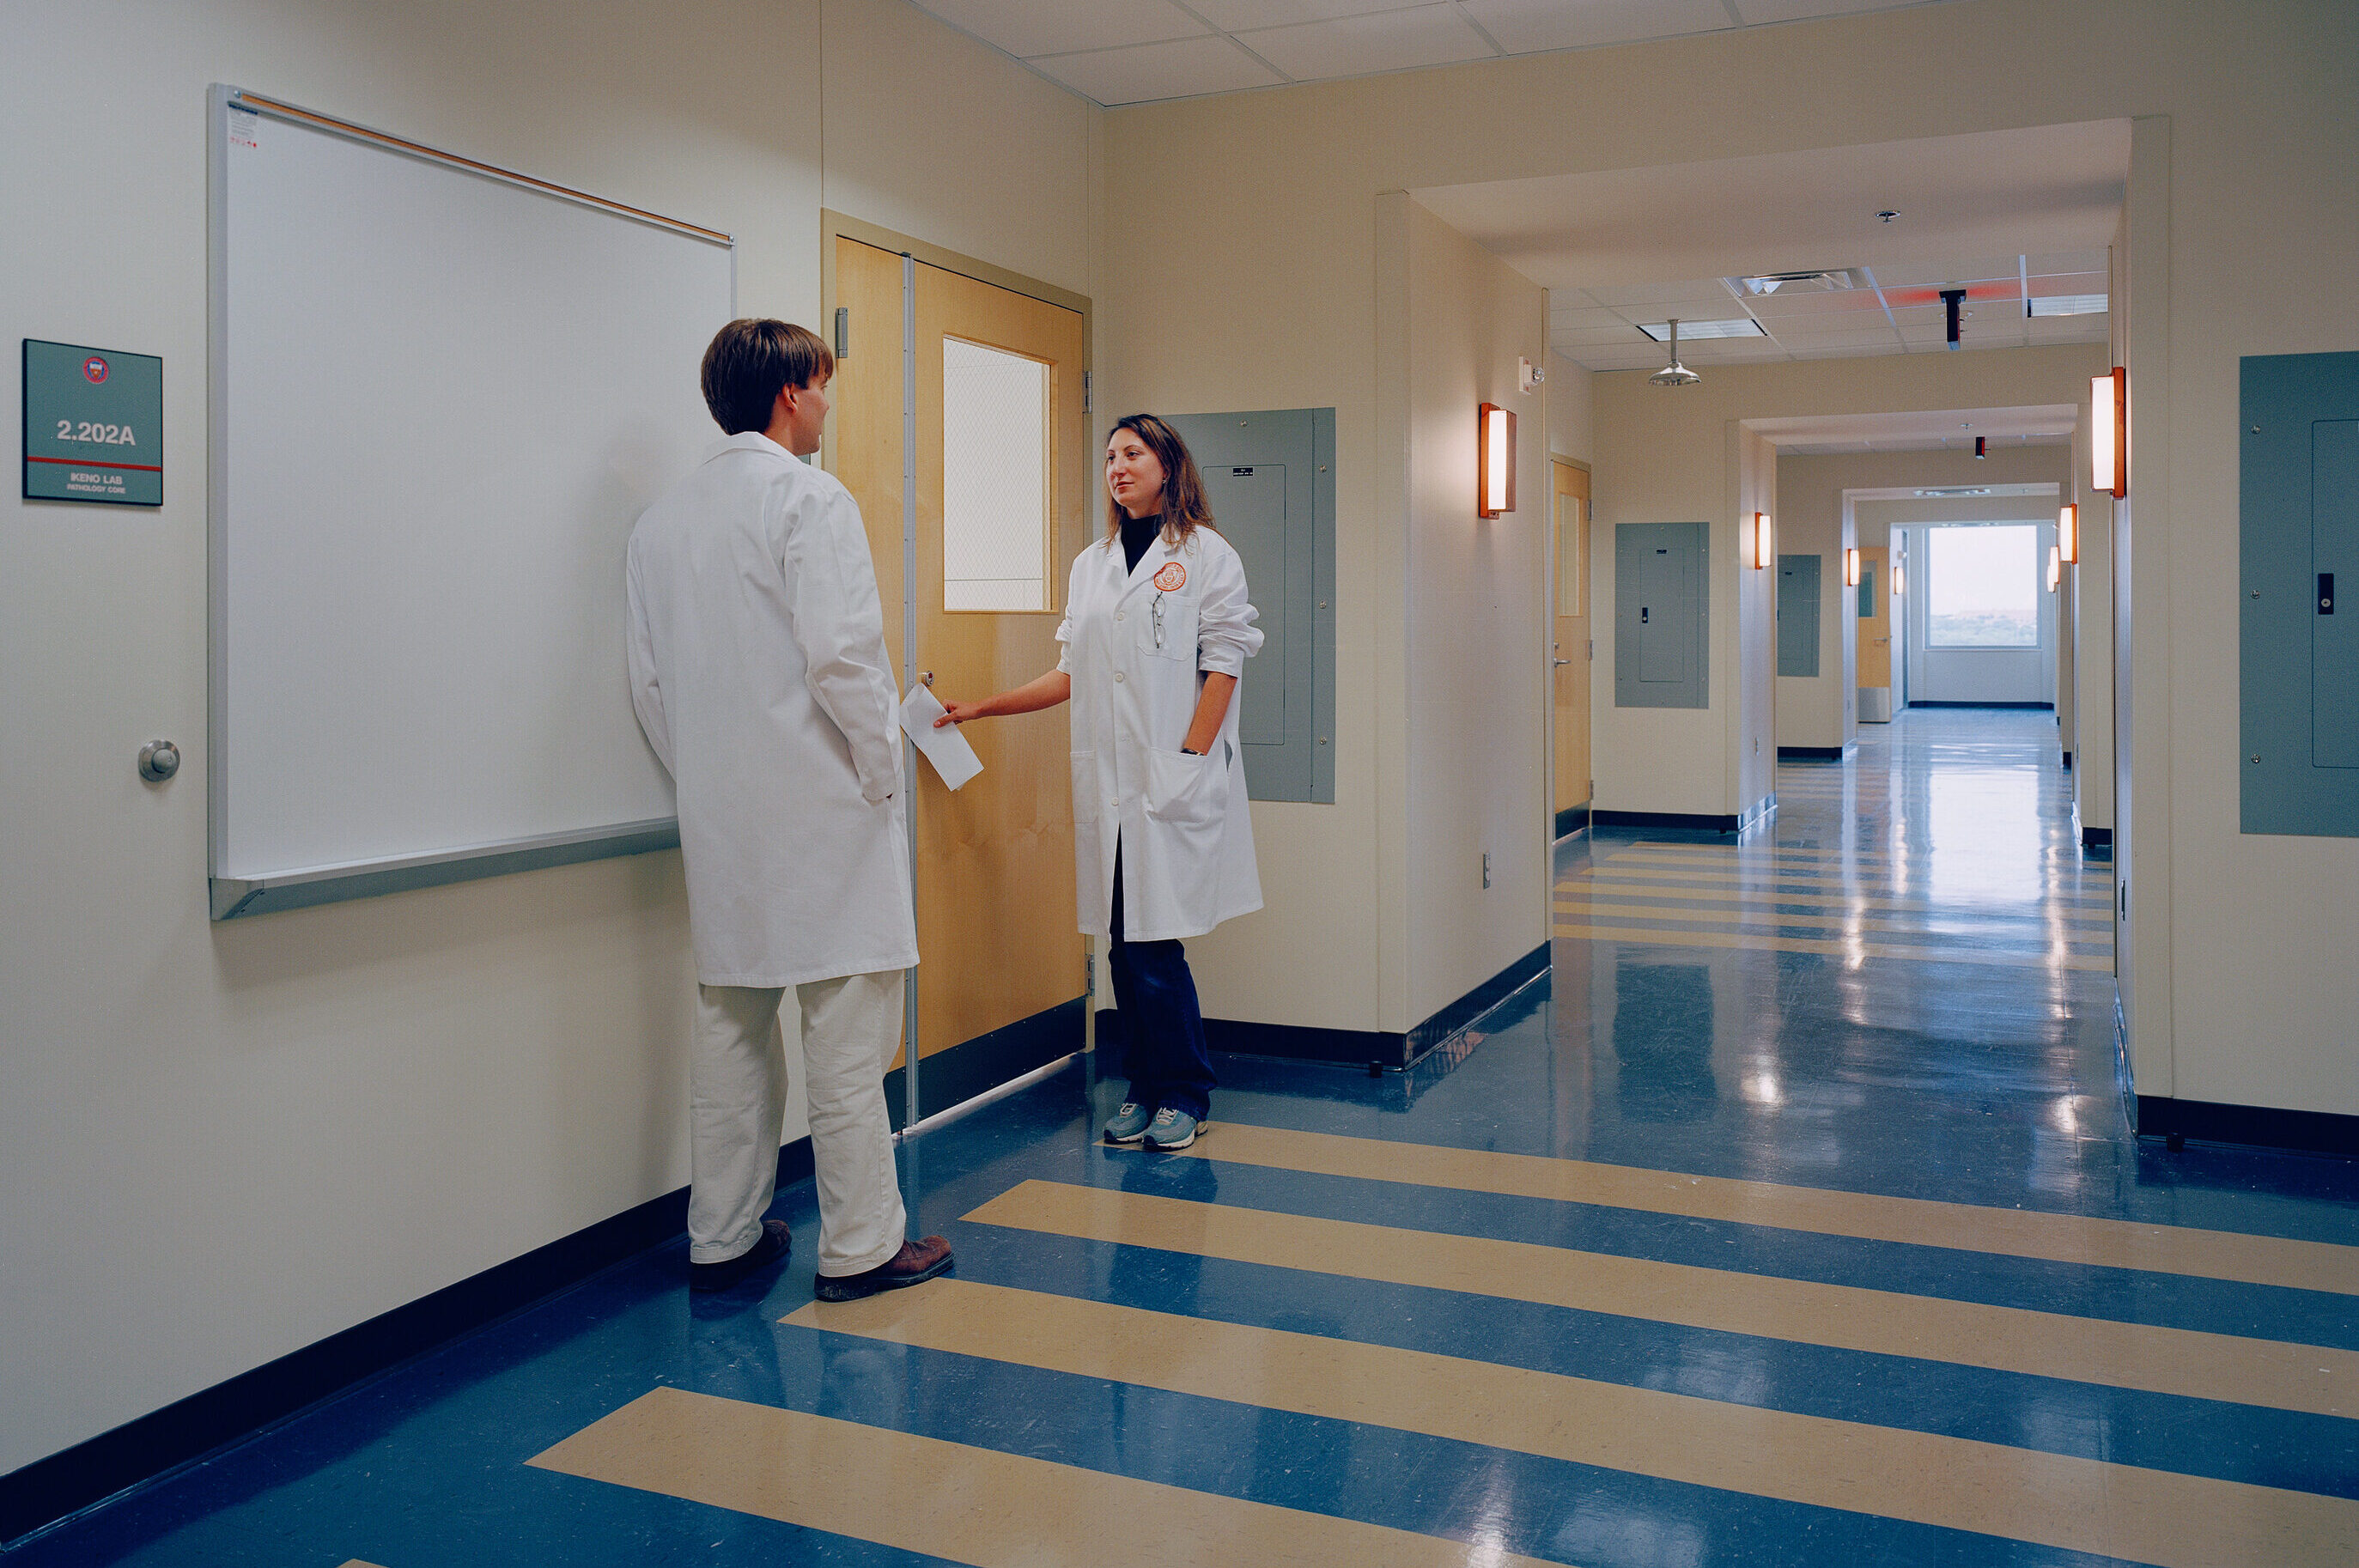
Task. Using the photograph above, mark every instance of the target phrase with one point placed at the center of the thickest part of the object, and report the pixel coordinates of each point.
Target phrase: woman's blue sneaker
(1130, 1123)
(1172, 1130)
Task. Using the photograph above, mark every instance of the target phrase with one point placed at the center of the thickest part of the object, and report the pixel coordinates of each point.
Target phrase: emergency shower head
(1674, 374)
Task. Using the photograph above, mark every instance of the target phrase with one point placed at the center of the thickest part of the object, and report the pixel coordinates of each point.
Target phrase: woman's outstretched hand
(959, 712)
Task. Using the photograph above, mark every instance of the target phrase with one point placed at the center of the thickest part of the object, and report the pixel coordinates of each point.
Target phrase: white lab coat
(759, 672)
(1185, 829)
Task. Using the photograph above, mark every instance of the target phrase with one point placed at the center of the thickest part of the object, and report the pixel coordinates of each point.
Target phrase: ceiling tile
(1575, 317)
(1842, 302)
(1652, 293)
(1957, 269)
(1522, 27)
(1061, 26)
(1620, 332)
(1232, 15)
(1755, 12)
(2069, 261)
(1158, 70)
(1383, 41)
(1864, 351)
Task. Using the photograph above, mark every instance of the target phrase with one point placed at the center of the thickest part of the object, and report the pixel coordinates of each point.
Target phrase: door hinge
(1088, 393)
(843, 331)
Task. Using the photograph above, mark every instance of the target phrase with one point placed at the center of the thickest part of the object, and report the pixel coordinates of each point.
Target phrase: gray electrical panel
(2300, 649)
(1661, 600)
(1798, 615)
(1270, 478)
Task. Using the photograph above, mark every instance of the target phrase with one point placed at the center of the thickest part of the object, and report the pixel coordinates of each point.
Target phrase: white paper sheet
(944, 747)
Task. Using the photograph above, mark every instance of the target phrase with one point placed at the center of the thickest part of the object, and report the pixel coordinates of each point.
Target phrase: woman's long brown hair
(1184, 509)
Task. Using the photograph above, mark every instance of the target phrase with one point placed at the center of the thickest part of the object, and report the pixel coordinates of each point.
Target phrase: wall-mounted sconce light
(2055, 569)
(1497, 488)
(1765, 551)
(2109, 437)
(2068, 534)
(1899, 576)
(1851, 568)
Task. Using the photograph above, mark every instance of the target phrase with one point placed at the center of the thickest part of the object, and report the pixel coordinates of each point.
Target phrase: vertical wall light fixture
(1764, 542)
(1497, 486)
(2068, 534)
(2109, 446)
(1851, 568)
(2055, 569)
(1899, 575)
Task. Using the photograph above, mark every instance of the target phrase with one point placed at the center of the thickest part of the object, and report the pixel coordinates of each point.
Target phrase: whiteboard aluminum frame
(231, 897)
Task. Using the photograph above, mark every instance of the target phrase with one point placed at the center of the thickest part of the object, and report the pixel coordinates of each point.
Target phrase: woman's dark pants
(1164, 1053)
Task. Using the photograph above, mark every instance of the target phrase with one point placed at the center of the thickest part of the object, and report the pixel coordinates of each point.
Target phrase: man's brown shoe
(916, 1261)
(775, 1242)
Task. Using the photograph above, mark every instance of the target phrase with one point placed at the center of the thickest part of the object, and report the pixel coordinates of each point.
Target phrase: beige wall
(1655, 450)
(1477, 645)
(1571, 420)
(221, 1143)
(1819, 711)
(1811, 491)
(1266, 198)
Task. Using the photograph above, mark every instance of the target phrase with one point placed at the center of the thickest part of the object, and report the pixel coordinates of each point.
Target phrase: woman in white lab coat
(1156, 631)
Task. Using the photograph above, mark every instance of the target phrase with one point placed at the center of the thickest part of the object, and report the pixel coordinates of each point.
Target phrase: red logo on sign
(94, 368)
(1173, 577)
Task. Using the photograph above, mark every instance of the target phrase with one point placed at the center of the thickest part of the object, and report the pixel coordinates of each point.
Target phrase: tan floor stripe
(1765, 916)
(946, 1500)
(1845, 1317)
(1574, 887)
(1919, 1222)
(1566, 927)
(2074, 1504)
(1748, 877)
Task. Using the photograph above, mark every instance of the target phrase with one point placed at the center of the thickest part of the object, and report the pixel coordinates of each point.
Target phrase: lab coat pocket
(1177, 638)
(1185, 792)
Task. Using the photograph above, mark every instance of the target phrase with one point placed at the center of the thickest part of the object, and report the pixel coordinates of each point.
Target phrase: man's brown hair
(751, 361)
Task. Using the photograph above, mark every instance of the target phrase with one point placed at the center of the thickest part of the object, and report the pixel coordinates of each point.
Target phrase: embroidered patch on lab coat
(1172, 577)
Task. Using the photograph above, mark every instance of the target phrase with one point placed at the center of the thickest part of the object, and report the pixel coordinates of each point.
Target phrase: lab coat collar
(748, 440)
(1150, 561)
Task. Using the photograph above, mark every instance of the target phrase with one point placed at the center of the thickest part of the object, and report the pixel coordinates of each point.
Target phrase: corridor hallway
(1792, 1220)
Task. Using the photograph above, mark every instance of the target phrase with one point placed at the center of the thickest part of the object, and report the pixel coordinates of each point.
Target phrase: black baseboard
(1571, 820)
(1927, 702)
(1449, 1020)
(2068, 762)
(1605, 819)
(951, 1077)
(1372, 1048)
(2096, 838)
(1292, 1043)
(2314, 1132)
(67, 1482)
(1812, 753)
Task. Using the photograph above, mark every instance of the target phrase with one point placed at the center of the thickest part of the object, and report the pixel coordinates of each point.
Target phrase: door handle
(1559, 661)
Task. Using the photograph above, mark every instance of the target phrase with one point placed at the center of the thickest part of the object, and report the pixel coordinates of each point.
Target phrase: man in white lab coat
(759, 672)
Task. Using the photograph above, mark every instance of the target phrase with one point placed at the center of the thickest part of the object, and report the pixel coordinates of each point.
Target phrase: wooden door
(1572, 643)
(999, 952)
(1875, 627)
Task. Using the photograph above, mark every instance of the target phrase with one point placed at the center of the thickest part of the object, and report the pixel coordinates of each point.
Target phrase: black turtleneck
(1138, 533)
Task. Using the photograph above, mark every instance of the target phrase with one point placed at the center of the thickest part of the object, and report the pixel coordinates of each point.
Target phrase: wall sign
(93, 425)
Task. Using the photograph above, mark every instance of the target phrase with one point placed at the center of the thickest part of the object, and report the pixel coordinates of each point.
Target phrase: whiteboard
(440, 397)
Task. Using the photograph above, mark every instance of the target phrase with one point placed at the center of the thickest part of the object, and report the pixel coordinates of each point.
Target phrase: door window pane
(996, 489)
(1984, 590)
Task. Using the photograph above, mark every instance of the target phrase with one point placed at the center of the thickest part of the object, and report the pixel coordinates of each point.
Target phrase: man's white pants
(737, 1099)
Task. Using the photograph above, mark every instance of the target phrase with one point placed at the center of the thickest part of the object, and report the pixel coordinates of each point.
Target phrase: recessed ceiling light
(1959, 490)
(1742, 327)
(2069, 305)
